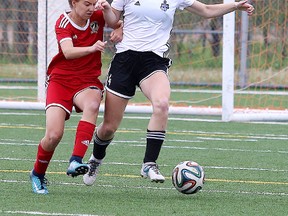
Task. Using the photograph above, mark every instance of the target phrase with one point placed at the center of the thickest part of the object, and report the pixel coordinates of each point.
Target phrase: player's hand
(116, 35)
(244, 6)
(102, 5)
(98, 46)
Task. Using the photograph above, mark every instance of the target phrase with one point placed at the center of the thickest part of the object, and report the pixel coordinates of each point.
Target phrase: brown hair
(70, 3)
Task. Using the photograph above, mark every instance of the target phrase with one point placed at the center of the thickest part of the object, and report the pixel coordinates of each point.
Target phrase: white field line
(173, 147)
(235, 134)
(145, 118)
(44, 213)
(164, 165)
(154, 188)
(18, 87)
(236, 92)
(21, 114)
(216, 149)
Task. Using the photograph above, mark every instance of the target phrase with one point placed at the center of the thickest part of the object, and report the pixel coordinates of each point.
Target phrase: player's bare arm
(71, 52)
(110, 17)
(215, 10)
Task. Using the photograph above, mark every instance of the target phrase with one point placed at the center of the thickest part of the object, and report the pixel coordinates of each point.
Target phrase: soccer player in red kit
(73, 81)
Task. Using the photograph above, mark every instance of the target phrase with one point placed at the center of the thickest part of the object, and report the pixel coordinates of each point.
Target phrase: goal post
(229, 113)
(42, 50)
(48, 13)
(228, 65)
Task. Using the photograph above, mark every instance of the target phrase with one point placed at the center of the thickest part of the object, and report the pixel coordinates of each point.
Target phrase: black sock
(154, 143)
(99, 149)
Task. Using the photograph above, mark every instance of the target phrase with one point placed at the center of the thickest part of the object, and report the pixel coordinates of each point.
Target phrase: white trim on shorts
(166, 73)
(118, 94)
(58, 105)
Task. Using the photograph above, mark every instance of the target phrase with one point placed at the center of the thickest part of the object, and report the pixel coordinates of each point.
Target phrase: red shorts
(62, 95)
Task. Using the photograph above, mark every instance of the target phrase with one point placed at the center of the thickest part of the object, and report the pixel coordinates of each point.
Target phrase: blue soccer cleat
(39, 185)
(75, 168)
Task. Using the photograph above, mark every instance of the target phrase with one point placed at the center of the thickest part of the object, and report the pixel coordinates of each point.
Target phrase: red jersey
(86, 68)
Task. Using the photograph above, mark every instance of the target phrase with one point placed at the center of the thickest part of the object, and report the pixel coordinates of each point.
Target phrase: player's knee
(107, 131)
(54, 137)
(161, 107)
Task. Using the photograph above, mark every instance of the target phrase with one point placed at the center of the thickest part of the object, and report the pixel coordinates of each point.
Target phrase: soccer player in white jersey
(73, 81)
(141, 60)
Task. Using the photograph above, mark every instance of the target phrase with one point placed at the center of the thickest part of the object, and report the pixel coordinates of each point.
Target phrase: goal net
(233, 66)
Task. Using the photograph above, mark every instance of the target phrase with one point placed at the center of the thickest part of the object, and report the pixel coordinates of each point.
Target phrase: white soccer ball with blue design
(188, 177)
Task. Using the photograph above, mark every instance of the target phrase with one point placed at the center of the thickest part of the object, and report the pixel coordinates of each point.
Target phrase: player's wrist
(236, 5)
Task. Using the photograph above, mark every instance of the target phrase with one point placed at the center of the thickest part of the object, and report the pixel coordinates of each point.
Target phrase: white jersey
(148, 24)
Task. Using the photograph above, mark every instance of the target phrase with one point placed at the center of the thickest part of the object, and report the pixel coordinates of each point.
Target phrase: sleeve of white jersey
(118, 4)
(185, 3)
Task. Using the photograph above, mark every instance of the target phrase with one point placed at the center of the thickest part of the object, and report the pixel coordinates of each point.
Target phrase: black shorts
(128, 69)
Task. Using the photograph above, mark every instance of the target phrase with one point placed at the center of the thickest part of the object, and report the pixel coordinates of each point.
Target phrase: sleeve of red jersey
(62, 30)
(98, 15)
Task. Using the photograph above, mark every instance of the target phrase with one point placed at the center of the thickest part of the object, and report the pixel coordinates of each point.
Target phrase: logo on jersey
(164, 6)
(74, 37)
(137, 3)
(94, 27)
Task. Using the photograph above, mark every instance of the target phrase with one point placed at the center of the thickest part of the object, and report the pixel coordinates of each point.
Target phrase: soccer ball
(188, 177)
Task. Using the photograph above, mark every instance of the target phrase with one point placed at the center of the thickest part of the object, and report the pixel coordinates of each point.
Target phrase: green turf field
(245, 166)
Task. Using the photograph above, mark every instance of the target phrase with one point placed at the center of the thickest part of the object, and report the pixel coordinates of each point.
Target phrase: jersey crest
(94, 27)
(164, 6)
